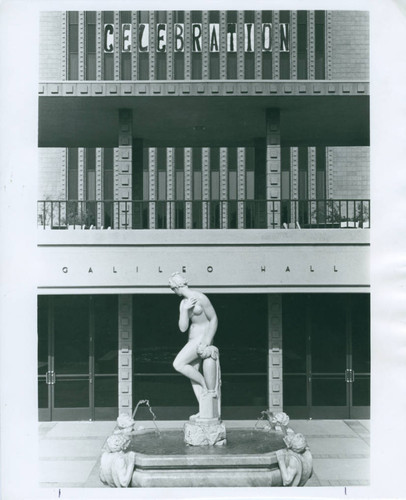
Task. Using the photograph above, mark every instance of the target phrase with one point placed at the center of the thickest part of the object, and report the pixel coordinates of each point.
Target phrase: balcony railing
(214, 214)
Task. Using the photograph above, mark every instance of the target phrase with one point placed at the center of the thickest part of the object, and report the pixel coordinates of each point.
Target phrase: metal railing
(201, 214)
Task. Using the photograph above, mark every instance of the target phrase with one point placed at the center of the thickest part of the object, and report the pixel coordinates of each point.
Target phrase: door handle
(349, 376)
(50, 378)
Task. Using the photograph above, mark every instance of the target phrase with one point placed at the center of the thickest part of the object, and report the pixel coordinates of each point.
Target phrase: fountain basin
(248, 459)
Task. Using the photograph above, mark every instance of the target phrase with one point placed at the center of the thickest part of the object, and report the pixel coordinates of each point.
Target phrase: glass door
(72, 379)
(326, 349)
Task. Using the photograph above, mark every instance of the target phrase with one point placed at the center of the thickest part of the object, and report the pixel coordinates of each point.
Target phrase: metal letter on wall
(273, 168)
(224, 188)
(188, 188)
(125, 372)
(241, 183)
(170, 188)
(275, 368)
(206, 187)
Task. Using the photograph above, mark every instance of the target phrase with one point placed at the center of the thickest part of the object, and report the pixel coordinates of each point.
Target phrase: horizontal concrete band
(204, 88)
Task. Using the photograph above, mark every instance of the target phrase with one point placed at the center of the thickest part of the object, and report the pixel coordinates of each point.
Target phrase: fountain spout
(146, 403)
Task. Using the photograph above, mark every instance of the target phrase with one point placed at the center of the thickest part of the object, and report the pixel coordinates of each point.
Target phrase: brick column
(123, 171)
(273, 168)
(170, 187)
(99, 187)
(294, 184)
(293, 45)
(275, 369)
(205, 45)
(125, 354)
(223, 45)
(311, 46)
(275, 45)
(312, 183)
(241, 183)
(329, 44)
(224, 188)
(99, 46)
(329, 172)
(206, 187)
(188, 170)
(258, 45)
(153, 175)
(82, 69)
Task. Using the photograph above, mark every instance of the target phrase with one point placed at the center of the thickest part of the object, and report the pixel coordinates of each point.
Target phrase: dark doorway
(326, 355)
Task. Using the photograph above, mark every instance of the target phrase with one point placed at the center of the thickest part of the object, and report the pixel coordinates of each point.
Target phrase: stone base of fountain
(205, 432)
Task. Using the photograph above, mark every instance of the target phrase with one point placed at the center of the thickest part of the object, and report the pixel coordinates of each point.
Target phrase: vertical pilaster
(224, 187)
(205, 46)
(64, 36)
(134, 43)
(258, 45)
(273, 168)
(116, 45)
(99, 46)
(81, 45)
(205, 187)
(311, 166)
(188, 169)
(64, 183)
(275, 45)
(99, 187)
(153, 175)
(223, 45)
(329, 173)
(329, 44)
(275, 368)
(170, 188)
(123, 171)
(240, 46)
(311, 46)
(188, 45)
(241, 183)
(169, 45)
(125, 354)
(294, 183)
(152, 52)
(81, 185)
(293, 45)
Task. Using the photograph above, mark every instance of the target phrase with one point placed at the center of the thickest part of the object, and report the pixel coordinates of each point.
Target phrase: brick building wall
(350, 172)
(350, 45)
(50, 46)
(51, 179)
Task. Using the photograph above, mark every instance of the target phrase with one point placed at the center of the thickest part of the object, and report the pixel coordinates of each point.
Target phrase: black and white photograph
(198, 293)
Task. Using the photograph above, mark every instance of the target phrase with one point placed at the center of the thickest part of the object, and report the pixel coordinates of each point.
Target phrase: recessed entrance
(326, 355)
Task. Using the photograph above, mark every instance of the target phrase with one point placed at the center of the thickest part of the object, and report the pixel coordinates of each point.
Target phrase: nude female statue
(196, 310)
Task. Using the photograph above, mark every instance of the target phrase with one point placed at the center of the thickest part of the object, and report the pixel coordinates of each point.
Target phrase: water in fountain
(146, 402)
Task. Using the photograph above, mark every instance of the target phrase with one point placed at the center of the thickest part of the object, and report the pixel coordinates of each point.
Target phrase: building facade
(232, 146)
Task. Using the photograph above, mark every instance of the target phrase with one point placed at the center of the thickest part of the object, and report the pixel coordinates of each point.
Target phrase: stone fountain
(268, 454)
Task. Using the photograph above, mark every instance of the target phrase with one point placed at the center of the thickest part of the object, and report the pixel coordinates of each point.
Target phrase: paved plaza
(70, 451)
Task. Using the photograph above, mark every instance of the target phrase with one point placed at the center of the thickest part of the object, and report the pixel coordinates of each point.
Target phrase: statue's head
(118, 442)
(296, 442)
(177, 281)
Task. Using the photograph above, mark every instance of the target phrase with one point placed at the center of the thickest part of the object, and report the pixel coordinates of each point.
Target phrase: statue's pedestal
(205, 432)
